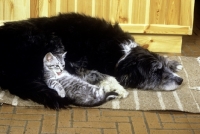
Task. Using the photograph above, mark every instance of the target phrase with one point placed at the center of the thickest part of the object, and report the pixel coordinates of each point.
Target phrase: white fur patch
(175, 74)
(170, 87)
(101, 92)
(123, 58)
(111, 97)
(61, 93)
(111, 84)
(179, 67)
(127, 46)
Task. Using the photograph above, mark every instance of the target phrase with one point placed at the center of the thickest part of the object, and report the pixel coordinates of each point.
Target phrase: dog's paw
(111, 84)
(122, 93)
(175, 66)
(179, 67)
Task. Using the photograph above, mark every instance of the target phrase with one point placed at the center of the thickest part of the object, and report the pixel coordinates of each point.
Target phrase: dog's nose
(178, 80)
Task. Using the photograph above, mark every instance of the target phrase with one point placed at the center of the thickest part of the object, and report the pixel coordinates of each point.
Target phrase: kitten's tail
(107, 97)
(97, 101)
(111, 95)
(38, 91)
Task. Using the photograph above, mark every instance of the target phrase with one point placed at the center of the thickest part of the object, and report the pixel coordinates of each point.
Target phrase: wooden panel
(14, 9)
(67, 6)
(157, 29)
(135, 16)
(173, 12)
(43, 8)
(122, 12)
(21, 9)
(64, 6)
(160, 43)
(139, 15)
(102, 9)
(157, 11)
(84, 6)
(52, 7)
(119, 11)
(34, 12)
(2, 9)
(187, 12)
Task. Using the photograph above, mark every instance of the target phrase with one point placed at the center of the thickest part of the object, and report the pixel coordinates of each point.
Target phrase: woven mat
(186, 98)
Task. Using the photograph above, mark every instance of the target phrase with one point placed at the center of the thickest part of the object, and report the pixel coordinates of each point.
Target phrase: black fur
(147, 70)
(23, 45)
(91, 43)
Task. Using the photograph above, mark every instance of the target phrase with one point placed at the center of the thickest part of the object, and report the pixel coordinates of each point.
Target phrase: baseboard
(160, 43)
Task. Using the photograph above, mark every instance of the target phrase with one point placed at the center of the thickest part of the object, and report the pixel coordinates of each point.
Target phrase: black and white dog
(91, 44)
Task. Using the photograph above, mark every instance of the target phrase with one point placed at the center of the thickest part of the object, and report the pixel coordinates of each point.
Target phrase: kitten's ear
(49, 56)
(63, 55)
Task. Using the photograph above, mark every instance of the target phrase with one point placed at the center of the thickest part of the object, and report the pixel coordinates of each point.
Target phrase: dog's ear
(157, 65)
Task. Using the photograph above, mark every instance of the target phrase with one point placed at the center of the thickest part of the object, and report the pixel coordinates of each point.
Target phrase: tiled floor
(20, 120)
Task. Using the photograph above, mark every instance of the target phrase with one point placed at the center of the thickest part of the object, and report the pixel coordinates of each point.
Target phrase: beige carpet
(186, 98)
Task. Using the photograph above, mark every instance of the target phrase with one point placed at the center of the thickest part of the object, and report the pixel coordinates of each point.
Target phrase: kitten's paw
(111, 84)
(61, 93)
(60, 90)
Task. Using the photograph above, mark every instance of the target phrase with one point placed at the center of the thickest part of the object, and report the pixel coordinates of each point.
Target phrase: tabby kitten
(67, 85)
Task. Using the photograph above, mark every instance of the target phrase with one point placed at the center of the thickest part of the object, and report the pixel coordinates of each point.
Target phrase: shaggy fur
(147, 70)
(91, 44)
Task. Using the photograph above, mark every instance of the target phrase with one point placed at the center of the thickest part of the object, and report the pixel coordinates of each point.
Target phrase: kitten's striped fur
(67, 85)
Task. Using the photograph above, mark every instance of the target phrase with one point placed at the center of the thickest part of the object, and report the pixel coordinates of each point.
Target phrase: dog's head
(146, 70)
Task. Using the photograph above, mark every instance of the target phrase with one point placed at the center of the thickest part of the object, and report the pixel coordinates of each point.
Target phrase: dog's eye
(157, 69)
(166, 77)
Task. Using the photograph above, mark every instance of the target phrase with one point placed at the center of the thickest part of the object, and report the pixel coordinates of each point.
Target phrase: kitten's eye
(57, 66)
(63, 65)
(50, 66)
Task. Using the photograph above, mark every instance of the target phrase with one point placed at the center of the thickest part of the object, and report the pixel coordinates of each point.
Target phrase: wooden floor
(20, 120)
